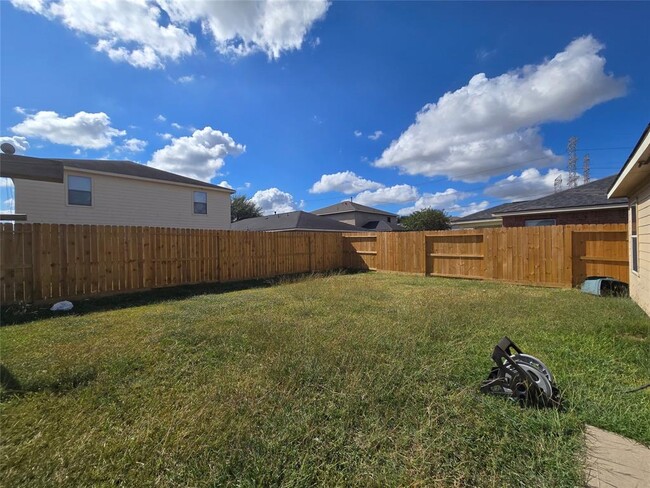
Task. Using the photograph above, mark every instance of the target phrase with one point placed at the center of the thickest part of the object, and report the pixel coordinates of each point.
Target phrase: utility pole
(573, 162)
(585, 169)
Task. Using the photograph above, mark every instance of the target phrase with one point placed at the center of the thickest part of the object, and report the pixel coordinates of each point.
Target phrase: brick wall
(609, 216)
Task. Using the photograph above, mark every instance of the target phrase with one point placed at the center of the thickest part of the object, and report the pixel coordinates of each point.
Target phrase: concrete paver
(615, 461)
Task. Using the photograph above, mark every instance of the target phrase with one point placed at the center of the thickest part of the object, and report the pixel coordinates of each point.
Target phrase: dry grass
(366, 380)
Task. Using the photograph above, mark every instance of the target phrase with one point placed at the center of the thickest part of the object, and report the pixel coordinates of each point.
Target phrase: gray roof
(592, 194)
(383, 226)
(348, 206)
(125, 168)
(298, 220)
(486, 214)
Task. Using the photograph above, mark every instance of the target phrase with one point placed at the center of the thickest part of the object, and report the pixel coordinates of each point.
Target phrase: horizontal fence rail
(560, 256)
(46, 262)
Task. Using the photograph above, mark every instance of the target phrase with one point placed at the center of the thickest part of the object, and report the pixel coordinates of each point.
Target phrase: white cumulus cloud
(200, 155)
(392, 194)
(473, 133)
(273, 201)
(345, 182)
(241, 28)
(375, 135)
(133, 145)
(147, 34)
(83, 129)
(530, 184)
(6, 183)
(470, 208)
(8, 205)
(20, 143)
(439, 200)
(225, 184)
(358, 133)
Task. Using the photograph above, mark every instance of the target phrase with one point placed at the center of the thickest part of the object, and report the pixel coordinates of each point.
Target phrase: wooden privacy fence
(48, 262)
(561, 256)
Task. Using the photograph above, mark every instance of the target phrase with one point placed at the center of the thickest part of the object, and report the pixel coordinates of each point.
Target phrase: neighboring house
(371, 219)
(78, 191)
(633, 182)
(383, 226)
(293, 222)
(585, 204)
(481, 220)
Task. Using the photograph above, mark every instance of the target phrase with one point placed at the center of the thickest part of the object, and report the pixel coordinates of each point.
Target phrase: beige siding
(640, 282)
(122, 201)
(345, 217)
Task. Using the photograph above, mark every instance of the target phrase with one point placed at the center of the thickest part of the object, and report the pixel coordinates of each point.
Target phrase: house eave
(636, 169)
(563, 210)
(38, 170)
(360, 211)
(479, 221)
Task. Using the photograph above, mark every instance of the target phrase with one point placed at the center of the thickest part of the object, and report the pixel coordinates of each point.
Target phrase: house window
(200, 202)
(80, 191)
(388, 219)
(539, 222)
(633, 239)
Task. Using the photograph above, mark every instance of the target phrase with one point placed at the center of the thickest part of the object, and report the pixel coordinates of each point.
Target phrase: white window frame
(67, 192)
(634, 237)
(194, 202)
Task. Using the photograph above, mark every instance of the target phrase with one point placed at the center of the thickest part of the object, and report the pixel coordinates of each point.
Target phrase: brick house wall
(608, 216)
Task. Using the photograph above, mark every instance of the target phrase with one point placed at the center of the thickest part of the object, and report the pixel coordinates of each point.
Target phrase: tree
(241, 208)
(426, 219)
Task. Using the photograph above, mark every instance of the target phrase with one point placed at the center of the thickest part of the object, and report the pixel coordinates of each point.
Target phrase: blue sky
(301, 105)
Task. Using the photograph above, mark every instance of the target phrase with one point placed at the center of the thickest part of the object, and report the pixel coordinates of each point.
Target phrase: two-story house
(103, 192)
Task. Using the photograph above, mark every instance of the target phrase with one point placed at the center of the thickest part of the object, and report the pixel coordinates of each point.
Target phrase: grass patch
(367, 379)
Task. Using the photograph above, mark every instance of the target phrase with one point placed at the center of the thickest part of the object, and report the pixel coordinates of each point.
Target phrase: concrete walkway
(615, 461)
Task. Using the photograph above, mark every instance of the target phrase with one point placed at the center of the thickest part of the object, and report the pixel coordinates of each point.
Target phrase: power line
(520, 164)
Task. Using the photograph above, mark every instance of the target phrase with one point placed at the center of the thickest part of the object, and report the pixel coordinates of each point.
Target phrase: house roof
(298, 220)
(636, 169)
(382, 226)
(591, 196)
(51, 169)
(486, 214)
(348, 206)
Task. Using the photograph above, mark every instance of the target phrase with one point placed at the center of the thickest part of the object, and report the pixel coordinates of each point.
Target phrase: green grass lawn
(345, 380)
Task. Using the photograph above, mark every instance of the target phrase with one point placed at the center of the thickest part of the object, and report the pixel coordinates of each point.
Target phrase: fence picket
(50, 261)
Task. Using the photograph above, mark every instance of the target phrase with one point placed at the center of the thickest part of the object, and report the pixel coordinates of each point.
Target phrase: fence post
(568, 255)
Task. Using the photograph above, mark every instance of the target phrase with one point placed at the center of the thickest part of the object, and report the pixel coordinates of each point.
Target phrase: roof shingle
(592, 194)
(125, 168)
(298, 220)
(486, 214)
(348, 206)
